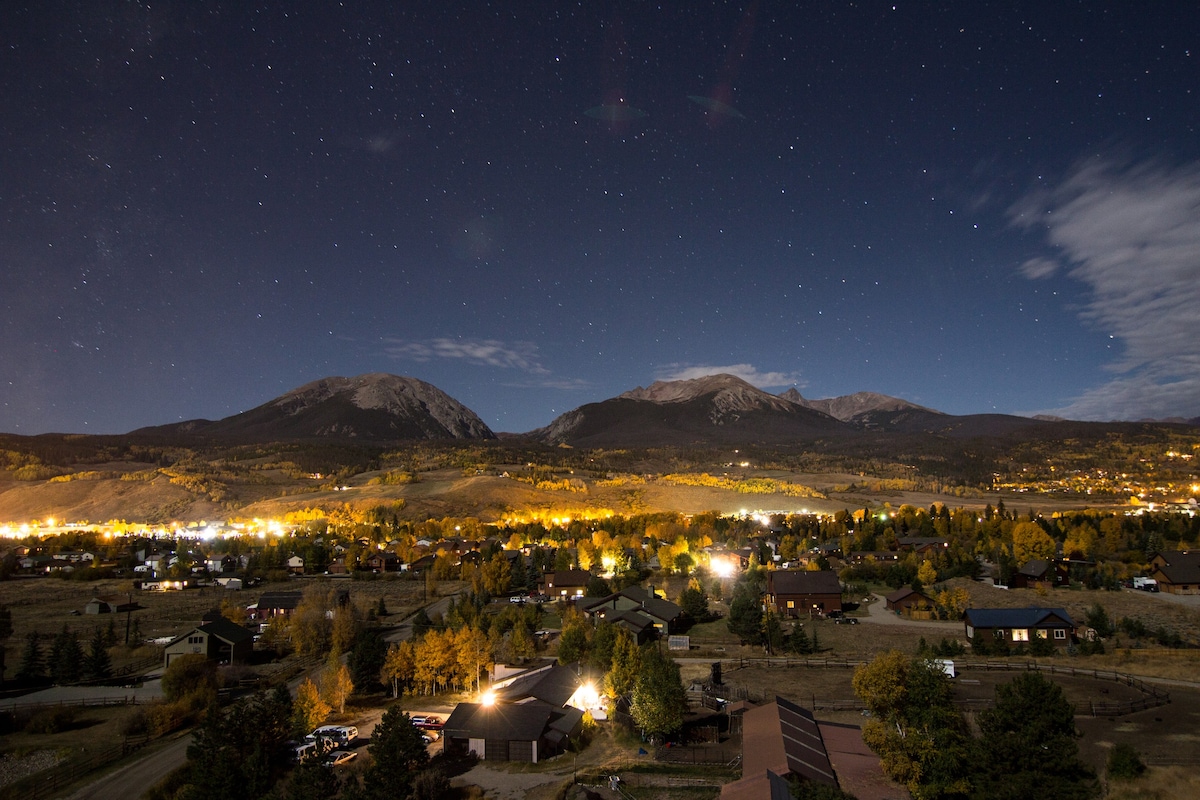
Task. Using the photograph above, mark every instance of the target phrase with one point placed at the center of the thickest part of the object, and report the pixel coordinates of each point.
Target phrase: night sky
(976, 206)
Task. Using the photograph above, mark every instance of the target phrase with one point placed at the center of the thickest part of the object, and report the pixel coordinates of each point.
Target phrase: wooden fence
(698, 755)
(49, 783)
(115, 700)
(1152, 696)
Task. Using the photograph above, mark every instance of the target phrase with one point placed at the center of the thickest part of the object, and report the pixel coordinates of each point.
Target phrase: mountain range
(713, 410)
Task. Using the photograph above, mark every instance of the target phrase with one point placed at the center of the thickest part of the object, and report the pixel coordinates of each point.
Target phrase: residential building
(803, 593)
(1020, 625)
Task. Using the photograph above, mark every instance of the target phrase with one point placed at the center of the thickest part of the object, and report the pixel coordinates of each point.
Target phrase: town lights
(488, 698)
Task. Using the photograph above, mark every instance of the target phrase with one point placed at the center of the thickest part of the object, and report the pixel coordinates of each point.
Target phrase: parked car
(341, 734)
(432, 722)
(338, 757)
(304, 750)
(845, 620)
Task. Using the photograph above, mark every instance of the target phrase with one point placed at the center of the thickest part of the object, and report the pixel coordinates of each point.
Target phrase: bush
(190, 675)
(158, 719)
(1125, 762)
(52, 720)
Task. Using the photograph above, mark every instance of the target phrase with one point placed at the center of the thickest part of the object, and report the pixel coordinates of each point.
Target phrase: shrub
(52, 720)
(1125, 762)
(190, 675)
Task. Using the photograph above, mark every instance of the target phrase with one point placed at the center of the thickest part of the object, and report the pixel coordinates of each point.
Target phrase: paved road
(404, 631)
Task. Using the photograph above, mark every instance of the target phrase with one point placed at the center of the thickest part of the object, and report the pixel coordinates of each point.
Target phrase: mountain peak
(713, 408)
(682, 391)
(372, 407)
(849, 406)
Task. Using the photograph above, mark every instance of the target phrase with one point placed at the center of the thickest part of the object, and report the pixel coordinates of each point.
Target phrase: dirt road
(132, 780)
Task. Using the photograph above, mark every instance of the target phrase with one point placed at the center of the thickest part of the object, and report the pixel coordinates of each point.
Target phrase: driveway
(879, 615)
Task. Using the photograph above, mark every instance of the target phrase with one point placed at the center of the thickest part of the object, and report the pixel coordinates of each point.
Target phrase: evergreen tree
(6, 631)
(694, 602)
(398, 751)
(33, 667)
(66, 658)
(312, 779)
(239, 752)
(366, 660)
(96, 664)
(798, 641)
(600, 652)
(1028, 746)
(745, 614)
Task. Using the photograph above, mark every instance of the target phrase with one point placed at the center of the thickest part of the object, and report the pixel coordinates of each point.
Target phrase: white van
(342, 734)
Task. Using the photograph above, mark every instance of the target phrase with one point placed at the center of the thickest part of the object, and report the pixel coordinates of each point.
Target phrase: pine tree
(96, 664)
(798, 642)
(66, 658)
(398, 752)
(33, 666)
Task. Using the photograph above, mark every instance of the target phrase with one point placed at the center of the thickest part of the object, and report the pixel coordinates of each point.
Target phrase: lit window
(1020, 635)
(791, 603)
(1041, 634)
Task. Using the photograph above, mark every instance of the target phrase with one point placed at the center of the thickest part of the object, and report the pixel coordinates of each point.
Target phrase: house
(75, 557)
(781, 738)
(638, 610)
(420, 564)
(923, 546)
(275, 604)
(221, 564)
(908, 602)
(566, 584)
(528, 731)
(380, 561)
(38, 563)
(796, 593)
(219, 640)
(1040, 572)
(1176, 572)
(559, 685)
(1020, 625)
(295, 565)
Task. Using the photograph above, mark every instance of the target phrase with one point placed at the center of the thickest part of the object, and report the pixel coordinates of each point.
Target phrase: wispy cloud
(747, 372)
(485, 352)
(1131, 234)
